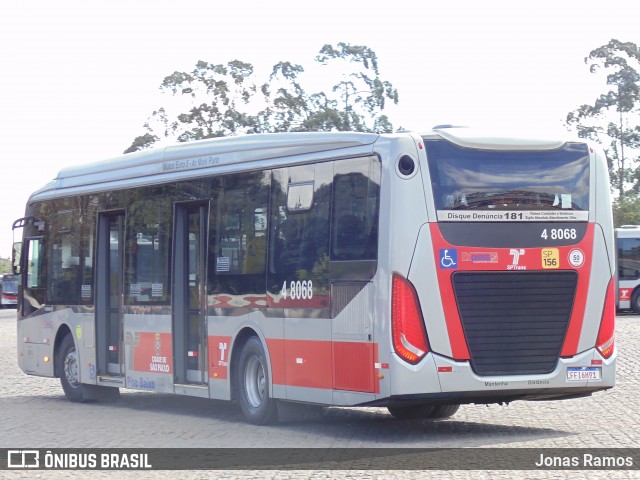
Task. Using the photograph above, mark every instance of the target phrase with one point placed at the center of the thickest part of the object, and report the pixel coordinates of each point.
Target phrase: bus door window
(34, 292)
(189, 327)
(109, 292)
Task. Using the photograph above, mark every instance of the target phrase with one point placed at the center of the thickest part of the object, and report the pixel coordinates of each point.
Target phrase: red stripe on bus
(457, 340)
(353, 367)
(324, 364)
(570, 346)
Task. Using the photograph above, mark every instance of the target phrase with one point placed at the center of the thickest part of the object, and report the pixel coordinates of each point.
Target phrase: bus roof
(257, 151)
(628, 231)
(202, 157)
(504, 139)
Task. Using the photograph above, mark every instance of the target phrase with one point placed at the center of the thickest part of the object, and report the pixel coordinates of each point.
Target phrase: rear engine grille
(514, 322)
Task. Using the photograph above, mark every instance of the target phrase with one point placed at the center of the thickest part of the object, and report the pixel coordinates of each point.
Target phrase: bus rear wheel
(252, 384)
(410, 412)
(444, 411)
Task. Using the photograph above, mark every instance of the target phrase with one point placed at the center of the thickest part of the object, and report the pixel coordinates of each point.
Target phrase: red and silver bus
(628, 256)
(412, 271)
(8, 290)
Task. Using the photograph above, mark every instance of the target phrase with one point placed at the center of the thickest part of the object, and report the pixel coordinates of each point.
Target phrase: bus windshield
(555, 181)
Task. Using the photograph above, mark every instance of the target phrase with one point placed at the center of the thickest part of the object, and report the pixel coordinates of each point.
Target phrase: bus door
(189, 289)
(109, 293)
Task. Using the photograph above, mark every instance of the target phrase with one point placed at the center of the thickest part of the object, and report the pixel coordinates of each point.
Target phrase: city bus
(412, 271)
(8, 290)
(628, 261)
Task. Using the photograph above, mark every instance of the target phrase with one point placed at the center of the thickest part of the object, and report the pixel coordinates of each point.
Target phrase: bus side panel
(37, 336)
(223, 341)
(148, 352)
(424, 276)
(599, 279)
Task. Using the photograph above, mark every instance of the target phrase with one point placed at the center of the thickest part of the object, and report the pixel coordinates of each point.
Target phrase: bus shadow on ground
(359, 424)
(360, 427)
(342, 426)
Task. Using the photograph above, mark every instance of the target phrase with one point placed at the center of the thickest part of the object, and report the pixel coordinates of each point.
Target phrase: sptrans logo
(516, 253)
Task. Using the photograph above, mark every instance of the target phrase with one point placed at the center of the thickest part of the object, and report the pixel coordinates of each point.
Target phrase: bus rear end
(512, 275)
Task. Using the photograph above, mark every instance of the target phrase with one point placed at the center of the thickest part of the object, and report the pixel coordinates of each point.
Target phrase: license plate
(583, 374)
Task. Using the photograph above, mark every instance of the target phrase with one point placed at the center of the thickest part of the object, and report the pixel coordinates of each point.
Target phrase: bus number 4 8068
(559, 234)
(298, 290)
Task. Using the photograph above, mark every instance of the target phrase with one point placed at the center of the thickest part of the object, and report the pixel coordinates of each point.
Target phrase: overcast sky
(79, 78)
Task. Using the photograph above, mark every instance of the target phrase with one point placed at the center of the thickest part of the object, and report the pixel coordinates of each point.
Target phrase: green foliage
(5, 265)
(215, 100)
(614, 116)
(626, 211)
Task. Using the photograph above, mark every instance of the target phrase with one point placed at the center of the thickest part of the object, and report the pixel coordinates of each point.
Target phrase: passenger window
(355, 209)
(238, 236)
(149, 243)
(629, 258)
(299, 255)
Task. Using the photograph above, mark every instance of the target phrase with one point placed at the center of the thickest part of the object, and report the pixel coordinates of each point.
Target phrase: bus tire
(252, 384)
(635, 301)
(444, 411)
(402, 412)
(69, 370)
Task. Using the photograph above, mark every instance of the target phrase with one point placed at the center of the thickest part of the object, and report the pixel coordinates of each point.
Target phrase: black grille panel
(514, 322)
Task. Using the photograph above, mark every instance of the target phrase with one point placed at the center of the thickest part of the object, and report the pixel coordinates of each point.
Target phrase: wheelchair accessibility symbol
(448, 258)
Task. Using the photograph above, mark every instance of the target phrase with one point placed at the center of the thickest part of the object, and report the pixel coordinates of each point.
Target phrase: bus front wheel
(69, 370)
(252, 384)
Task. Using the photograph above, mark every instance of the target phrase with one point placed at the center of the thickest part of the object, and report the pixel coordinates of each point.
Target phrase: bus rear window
(487, 185)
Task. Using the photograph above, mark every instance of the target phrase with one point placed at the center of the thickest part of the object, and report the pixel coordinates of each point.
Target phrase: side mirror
(16, 255)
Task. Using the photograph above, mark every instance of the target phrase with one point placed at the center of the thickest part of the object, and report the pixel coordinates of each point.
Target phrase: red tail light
(605, 342)
(409, 336)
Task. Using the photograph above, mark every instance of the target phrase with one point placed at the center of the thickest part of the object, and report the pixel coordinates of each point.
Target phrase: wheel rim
(255, 381)
(71, 368)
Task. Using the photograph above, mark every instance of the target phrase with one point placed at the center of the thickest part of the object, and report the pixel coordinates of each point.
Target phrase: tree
(613, 118)
(215, 100)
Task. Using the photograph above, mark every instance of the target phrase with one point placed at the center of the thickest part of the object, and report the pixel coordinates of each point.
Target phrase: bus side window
(354, 233)
(299, 236)
(629, 258)
(238, 237)
(149, 237)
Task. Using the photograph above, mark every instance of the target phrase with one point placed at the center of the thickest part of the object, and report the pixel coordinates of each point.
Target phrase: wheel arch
(634, 299)
(63, 331)
(240, 339)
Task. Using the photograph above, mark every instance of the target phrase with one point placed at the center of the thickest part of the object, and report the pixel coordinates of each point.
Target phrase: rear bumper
(439, 379)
